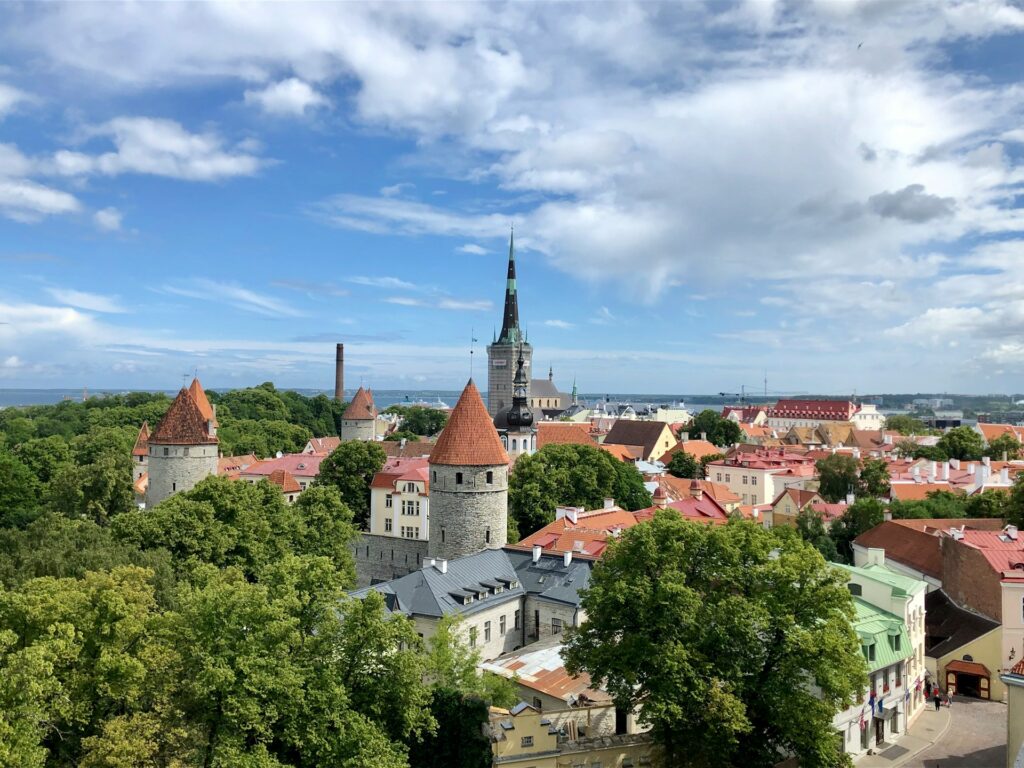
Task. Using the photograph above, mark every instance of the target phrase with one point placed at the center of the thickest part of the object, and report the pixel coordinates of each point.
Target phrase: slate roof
(469, 438)
(948, 626)
(428, 592)
(550, 579)
(543, 388)
(642, 433)
(361, 408)
(183, 424)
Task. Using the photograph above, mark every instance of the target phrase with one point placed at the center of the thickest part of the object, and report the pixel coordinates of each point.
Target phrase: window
(186, 450)
(501, 624)
(855, 589)
(490, 477)
(744, 479)
(487, 631)
(899, 675)
(167, 451)
(556, 626)
(513, 443)
(472, 637)
(442, 535)
(526, 741)
(435, 476)
(515, 620)
(728, 477)
(388, 501)
(753, 479)
(487, 535)
(871, 652)
(458, 478)
(387, 525)
(174, 486)
(894, 641)
(718, 476)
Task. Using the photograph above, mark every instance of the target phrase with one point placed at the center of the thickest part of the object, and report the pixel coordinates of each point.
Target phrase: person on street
(938, 701)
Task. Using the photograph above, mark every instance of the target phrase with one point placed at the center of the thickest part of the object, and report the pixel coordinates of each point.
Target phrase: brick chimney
(339, 372)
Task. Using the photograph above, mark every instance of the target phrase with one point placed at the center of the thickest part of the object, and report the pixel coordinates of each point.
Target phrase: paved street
(971, 734)
(976, 738)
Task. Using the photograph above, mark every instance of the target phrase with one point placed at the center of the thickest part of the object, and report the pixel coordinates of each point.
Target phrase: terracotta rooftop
(323, 445)
(830, 410)
(407, 449)
(183, 424)
(696, 448)
(361, 408)
(199, 395)
(563, 433)
(915, 543)
(285, 480)
(469, 438)
(297, 464)
(142, 441)
(232, 466)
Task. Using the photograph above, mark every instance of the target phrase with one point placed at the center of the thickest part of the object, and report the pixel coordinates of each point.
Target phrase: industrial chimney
(339, 373)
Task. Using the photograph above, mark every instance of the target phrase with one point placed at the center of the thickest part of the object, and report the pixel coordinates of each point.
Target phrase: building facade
(400, 500)
(507, 347)
(515, 424)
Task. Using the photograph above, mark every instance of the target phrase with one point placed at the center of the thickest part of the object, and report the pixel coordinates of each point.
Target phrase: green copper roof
(878, 628)
(902, 586)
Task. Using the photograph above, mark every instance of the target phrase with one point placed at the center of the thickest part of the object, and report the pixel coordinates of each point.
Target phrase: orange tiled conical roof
(183, 424)
(141, 447)
(199, 395)
(470, 438)
(361, 407)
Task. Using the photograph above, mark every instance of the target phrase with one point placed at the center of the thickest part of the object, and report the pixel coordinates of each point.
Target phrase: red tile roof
(232, 466)
(361, 408)
(199, 395)
(142, 441)
(183, 424)
(702, 510)
(563, 433)
(991, 431)
(1002, 552)
(919, 491)
(411, 449)
(469, 438)
(967, 667)
(827, 410)
(297, 464)
(286, 481)
(1018, 668)
(914, 548)
(696, 448)
(324, 445)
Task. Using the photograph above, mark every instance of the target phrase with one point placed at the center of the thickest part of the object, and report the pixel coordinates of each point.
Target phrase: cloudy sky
(829, 192)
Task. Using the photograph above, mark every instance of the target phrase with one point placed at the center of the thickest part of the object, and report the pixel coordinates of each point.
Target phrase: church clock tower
(503, 352)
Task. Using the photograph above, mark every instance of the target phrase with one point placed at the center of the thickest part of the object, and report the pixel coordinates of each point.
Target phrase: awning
(969, 668)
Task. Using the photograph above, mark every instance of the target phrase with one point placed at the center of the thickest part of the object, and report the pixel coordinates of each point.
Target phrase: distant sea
(382, 397)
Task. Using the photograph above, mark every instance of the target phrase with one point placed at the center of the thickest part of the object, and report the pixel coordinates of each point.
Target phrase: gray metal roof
(544, 388)
(428, 592)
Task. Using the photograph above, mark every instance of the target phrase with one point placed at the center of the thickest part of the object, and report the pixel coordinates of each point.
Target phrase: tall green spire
(510, 333)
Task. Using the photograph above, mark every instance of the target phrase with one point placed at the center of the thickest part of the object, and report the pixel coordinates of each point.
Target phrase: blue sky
(829, 191)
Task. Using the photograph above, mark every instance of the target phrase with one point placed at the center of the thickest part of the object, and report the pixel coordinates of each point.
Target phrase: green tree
(837, 476)
(811, 528)
(576, 475)
(326, 529)
(720, 635)
(1015, 504)
(705, 460)
(860, 516)
(97, 491)
(720, 431)
(906, 425)
(258, 403)
(19, 492)
(684, 465)
(1006, 444)
(874, 479)
(459, 741)
(44, 455)
(989, 503)
(402, 434)
(350, 468)
(915, 451)
(961, 443)
(419, 419)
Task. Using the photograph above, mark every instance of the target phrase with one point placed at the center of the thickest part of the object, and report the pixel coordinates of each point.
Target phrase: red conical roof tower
(469, 439)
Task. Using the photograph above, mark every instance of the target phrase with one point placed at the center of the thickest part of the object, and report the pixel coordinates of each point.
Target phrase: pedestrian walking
(938, 702)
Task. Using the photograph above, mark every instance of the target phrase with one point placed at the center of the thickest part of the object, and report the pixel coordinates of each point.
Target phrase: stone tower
(183, 447)
(515, 424)
(359, 421)
(468, 483)
(503, 351)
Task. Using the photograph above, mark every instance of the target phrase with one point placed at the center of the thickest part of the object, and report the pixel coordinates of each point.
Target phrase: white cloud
(473, 248)
(235, 295)
(604, 316)
(10, 97)
(12, 362)
(562, 324)
(108, 219)
(29, 201)
(158, 147)
(442, 302)
(291, 97)
(94, 302)
(396, 189)
(382, 282)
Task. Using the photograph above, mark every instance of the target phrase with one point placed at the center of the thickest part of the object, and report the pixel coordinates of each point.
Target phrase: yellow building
(1014, 681)
(525, 737)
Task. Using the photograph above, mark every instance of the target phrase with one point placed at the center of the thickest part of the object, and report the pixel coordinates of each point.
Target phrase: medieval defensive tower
(503, 352)
(183, 449)
(359, 421)
(468, 483)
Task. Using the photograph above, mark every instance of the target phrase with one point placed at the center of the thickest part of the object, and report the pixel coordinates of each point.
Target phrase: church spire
(510, 333)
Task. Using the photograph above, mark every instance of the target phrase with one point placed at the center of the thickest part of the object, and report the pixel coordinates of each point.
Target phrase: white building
(400, 499)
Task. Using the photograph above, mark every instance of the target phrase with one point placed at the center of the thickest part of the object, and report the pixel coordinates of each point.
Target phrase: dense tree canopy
(1005, 445)
(719, 430)
(420, 420)
(961, 443)
(684, 465)
(906, 425)
(350, 469)
(837, 476)
(573, 475)
(720, 634)
(860, 516)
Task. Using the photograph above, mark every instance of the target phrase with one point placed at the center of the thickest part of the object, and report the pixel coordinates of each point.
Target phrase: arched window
(513, 443)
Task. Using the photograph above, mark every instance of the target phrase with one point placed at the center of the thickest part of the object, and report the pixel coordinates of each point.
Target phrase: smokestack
(339, 373)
